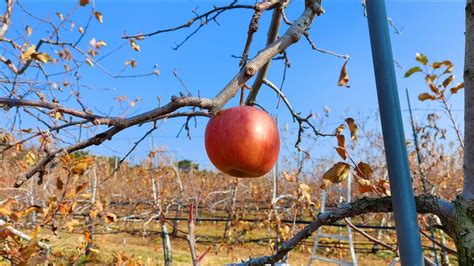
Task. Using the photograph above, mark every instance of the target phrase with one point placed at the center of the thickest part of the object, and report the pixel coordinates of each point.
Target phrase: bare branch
(22, 235)
(291, 36)
(203, 18)
(6, 19)
(272, 35)
(426, 203)
(313, 45)
(296, 116)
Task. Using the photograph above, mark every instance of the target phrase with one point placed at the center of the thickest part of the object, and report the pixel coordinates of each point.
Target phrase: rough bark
(463, 219)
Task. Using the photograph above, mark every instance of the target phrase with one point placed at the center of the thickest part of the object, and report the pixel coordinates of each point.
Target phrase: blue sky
(435, 28)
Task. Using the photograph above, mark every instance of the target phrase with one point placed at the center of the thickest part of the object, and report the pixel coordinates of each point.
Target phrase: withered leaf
(364, 185)
(288, 177)
(456, 88)
(99, 16)
(343, 76)
(352, 128)
(364, 170)
(337, 173)
(431, 85)
(426, 96)
(448, 81)
(342, 152)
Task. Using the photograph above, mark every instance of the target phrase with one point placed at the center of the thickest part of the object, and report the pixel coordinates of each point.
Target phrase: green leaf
(412, 70)
(421, 58)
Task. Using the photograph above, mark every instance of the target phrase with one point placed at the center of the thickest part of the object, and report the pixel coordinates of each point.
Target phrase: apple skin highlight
(242, 141)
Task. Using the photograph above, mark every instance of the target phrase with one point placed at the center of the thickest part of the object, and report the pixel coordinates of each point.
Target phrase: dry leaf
(28, 30)
(343, 77)
(342, 152)
(429, 80)
(384, 186)
(89, 62)
(338, 173)
(456, 88)
(99, 16)
(448, 81)
(339, 129)
(84, 2)
(364, 185)
(426, 96)
(110, 218)
(288, 177)
(134, 45)
(364, 170)
(341, 140)
(26, 55)
(352, 128)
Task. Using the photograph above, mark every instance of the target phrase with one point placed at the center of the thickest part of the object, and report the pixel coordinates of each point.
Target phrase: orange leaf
(344, 77)
(364, 170)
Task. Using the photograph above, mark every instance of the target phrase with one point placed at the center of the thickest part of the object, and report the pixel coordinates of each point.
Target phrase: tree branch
(6, 19)
(291, 36)
(426, 203)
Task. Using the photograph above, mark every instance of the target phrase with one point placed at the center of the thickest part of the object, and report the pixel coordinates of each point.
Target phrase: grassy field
(136, 248)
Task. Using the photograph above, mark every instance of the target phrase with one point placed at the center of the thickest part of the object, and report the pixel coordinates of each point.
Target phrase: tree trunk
(463, 220)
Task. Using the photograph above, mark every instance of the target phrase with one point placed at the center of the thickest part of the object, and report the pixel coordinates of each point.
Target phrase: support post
(394, 138)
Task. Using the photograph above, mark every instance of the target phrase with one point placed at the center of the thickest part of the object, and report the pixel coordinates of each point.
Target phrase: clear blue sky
(435, 28)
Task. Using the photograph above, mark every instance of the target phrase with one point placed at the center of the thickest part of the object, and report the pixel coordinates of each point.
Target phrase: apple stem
(242, 94)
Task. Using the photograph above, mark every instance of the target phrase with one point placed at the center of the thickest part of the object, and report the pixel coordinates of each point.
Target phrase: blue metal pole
(403, 200)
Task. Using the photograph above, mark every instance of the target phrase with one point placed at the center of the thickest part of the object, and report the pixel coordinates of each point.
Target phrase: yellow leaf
(42, 57)
(99, 16)
(421, 58)
(5, 209)
(26, 55)
(30, 159)
(338, 173)
(343, 77)
(57, 115)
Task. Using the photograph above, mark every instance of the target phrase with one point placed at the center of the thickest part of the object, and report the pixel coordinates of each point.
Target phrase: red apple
(242, 141)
